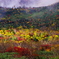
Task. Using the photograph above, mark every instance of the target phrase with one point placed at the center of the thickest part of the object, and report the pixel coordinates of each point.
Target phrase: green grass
(44, 55)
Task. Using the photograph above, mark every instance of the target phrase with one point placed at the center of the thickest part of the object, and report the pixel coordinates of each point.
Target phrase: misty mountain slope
(40, 12)
(50, 10)
(37, 17)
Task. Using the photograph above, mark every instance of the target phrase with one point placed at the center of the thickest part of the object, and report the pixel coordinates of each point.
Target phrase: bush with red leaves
(9, 49)
(22, 51)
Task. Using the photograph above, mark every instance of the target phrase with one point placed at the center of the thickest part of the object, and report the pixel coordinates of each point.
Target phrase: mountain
(38, 17)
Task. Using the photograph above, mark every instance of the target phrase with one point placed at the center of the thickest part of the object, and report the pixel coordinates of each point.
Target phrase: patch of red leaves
(1, 38)
(9, 49)
(21, 51)
(20, 39)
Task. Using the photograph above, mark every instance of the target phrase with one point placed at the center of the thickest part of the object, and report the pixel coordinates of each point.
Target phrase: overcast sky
(27, 3)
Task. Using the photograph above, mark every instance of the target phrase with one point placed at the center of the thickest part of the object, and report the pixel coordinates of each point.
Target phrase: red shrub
(9, 49)
(22, 51)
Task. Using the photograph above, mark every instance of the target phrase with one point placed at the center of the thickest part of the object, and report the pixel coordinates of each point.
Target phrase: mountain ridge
(37, 17)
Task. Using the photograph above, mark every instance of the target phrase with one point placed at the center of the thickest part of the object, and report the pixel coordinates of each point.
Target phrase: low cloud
(27, 3)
